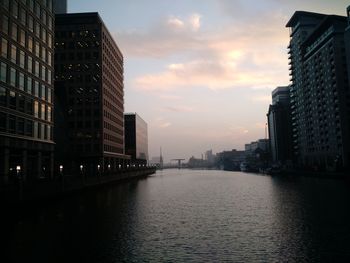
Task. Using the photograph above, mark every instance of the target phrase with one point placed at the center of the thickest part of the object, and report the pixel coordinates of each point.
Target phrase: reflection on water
(189, 216)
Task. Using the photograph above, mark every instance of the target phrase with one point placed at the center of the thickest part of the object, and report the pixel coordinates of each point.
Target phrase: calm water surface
(189, 216)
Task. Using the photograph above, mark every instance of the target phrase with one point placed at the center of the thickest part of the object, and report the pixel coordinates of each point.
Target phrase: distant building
(230, 160)
(209, 157)
(136, 138)
(156, 161)
(89, 95)
(320, 98)
(26, 89)
(262, 144)
(280, 128)
(60, 6)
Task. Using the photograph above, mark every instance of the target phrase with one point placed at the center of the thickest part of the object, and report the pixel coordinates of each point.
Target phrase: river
(188, 216)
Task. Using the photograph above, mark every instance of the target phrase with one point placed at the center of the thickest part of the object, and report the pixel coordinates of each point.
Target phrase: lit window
(3, 72)
(4, 44)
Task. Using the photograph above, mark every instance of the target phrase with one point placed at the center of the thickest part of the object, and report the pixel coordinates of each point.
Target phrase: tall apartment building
(26, 89)
(89, 94)
(319, 90)
(136, 138)
(280, 128)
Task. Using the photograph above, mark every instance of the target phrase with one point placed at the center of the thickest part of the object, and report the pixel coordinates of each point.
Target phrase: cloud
(176, 23)
(179, 108)
(251, 56)
(262, 98)
(161, 123)
(195, 21)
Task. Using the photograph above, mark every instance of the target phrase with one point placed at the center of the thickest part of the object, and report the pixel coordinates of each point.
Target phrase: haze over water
(190, 216)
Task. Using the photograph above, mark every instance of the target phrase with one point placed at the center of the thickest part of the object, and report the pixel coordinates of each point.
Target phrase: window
(43, 54)
(29, 128)
(48, 113)
(30, 64)
(23, 16)
(3, 72)
(12, 100)
(14, 9)
(29, 85)
(36, 89)
(4, 44)
(23, 38)
(2, 96)
(49, 58)
(5, 25)
(37, 29)
(42, 133)
(13, 54)
(21, 81)
(37, 9)
(37, 66)
(49, 40)
(29, 107)
(49, 95)
(21, 59)
(13, 77)
(43, 112)
(31, 5)
(43, 75)
(14, 31)
(21, 102)
(42, 92)
(12, 124)
(43, 35)
(36, 130)
(37, 49)
(30, 23)
(36, 109)
(48, 131)
(30, 43)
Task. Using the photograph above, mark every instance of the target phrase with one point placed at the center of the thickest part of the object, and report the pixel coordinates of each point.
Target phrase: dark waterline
(189, 216)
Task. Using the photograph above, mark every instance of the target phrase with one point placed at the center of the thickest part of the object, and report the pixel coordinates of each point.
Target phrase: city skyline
(199, 78)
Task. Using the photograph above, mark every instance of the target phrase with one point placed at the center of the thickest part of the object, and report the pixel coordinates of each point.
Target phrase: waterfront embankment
(27, 192)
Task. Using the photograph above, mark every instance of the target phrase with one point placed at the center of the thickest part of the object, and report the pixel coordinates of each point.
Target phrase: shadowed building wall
(89, 94)
(136, 138)
(26, 89)
(319, 90)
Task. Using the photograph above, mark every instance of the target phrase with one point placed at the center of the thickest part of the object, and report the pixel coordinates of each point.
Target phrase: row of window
(28, 43)
(25, 83)
(110, 148)
(21, 103)
(36, 8)
(24, 127)
(26, 62)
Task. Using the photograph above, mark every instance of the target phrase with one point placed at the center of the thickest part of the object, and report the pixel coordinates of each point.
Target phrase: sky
(201, 72)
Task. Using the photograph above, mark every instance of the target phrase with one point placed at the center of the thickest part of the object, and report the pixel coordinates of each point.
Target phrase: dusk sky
(201, 72)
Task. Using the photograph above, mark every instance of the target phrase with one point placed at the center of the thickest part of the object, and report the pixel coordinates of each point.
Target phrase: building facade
(60, 6)
(136, 138)
(319, 91)
(280, 127)
(89, 94)
(26, 89)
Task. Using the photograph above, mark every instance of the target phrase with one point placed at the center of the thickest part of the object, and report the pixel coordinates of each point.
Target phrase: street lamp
(81, 167)
(109, 167)
(18, 170)
(61, 169)
(120, 166)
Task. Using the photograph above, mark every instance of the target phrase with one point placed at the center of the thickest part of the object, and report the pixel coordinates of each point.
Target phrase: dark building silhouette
(60, 6)
(136, 138)
(26, 89)
(89, 95)
(319, 90)
(280, 128)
